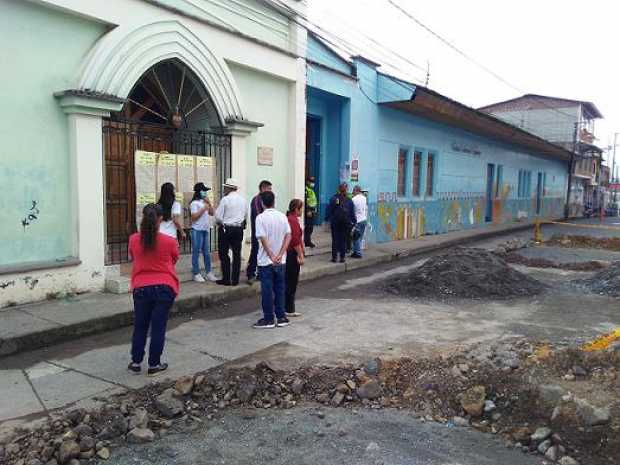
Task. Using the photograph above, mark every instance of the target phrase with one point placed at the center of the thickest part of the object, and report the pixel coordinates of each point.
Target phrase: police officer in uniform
(311, 205)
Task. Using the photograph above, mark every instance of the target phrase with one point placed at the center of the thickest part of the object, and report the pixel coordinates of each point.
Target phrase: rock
(569, 377)
(614, 347)
(551, 394)
(373, 367)
(456, 372)
(544, 446)
(556, 413)
(298, 386)
(463, 367)
(473, 399)
(117, 425)
(140, 436)
(370, 390)
(199, 381)
(591, 415)
(246, 392)
(511, 362)
(322, 398)
(103, 453)
(87, 443)
(568, 461)
(139, 419)
(342, 388)
(184, 385)
(52, 462)
(34, 462)
(489, 406)
(552, 453)
(83, 430)
(352, 385)
(460, 421)
(168, 405)
(373, 447)
(541, 434)
(69, 436)
(12, 449)
(68, 450)
(87, 455)
(337, 399)
(74, 462)
(579, 371)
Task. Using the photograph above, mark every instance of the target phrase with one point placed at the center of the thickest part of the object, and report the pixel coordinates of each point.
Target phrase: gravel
(466, 273)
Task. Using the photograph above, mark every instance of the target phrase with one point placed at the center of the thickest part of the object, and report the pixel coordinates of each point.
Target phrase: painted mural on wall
(394, 220)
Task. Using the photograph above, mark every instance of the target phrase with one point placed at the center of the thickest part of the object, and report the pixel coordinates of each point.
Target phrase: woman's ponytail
(149, 227)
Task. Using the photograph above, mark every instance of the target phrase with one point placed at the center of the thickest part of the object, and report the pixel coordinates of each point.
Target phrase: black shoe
(154, 371)
(263, 324)
(311, 245)
(333, 260)
(250, 281)
(234, 283)
(282, 322)
(341, 259)
(134, 367)
(356, 255)
(221, 282)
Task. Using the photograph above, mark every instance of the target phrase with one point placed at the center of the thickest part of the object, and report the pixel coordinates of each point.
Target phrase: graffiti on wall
(31, 216)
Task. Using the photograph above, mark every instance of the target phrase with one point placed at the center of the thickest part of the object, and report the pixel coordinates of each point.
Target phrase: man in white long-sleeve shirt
(230, 216)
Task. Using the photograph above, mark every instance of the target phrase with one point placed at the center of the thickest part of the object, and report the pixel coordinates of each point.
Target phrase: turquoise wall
(266, 100)
(34, 156)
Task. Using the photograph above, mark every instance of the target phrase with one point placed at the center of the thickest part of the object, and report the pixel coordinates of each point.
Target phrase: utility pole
(571, 168)
(613, 167)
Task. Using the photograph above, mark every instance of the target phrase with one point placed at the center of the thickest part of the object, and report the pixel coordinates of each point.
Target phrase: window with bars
(402, 173)
(430, 174)
(499, 179)
(416, 177)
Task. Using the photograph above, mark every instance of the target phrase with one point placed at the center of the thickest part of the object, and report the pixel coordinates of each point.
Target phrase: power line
(467, 56)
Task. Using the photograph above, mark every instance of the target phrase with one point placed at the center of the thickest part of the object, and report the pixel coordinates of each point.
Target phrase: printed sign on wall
(265, 156)
(154, 169)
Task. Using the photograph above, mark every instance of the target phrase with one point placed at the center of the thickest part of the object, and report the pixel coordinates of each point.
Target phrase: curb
(195, 302)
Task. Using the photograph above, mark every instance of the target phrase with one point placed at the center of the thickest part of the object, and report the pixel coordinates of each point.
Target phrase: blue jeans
(151, 307)
(200, 245)
(357, 244)
(272, 286)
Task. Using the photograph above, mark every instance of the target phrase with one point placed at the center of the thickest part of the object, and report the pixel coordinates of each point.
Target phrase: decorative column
(239, 130)
(85, 112)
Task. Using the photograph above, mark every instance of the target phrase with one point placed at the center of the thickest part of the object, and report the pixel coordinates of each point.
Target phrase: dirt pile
(606, 282)
(517, 391)
(585, 242)
(518, 259)
(466, 273)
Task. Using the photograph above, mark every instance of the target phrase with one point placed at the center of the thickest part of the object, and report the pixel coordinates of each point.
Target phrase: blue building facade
(429, 164)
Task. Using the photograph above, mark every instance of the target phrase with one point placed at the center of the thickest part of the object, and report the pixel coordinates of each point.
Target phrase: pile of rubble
(585, 242)
(606, 282)
(491, 390)
(466, 273)
(518, 259)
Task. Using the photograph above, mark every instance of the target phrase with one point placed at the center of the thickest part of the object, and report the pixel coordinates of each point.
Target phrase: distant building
(565, 122)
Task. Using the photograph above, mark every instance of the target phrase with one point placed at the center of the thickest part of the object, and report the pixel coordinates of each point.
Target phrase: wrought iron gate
(120, 141)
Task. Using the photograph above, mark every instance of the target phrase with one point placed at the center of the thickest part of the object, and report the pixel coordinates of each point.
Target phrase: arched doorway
(168, 110)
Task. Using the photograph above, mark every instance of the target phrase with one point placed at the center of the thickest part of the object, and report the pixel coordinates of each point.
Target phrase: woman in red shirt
(155, 285)
(294, 256)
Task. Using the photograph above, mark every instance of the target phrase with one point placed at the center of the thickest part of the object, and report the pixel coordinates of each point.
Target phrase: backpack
(340, 216)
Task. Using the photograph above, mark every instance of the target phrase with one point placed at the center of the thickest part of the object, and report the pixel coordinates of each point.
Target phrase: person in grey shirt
(230, 216)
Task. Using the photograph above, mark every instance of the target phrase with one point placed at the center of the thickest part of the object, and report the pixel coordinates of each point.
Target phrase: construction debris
(606, 282)
(585, 242)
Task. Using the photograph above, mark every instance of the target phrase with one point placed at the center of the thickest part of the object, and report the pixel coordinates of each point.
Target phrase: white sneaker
(199, 279)
(211, 277)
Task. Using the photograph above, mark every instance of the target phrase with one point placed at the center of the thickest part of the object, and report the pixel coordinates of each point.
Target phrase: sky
(558, 48)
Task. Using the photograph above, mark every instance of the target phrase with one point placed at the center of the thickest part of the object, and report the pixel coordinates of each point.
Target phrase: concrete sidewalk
(33, 326)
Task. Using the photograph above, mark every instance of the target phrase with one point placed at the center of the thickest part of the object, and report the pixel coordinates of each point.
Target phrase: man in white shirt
(274, 235)
(360, 205)
(230, 216)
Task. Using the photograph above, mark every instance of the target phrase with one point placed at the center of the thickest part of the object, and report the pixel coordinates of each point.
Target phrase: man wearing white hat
(231, 219)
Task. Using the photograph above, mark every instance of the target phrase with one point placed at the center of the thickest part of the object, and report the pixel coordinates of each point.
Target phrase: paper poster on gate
(183, 171)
